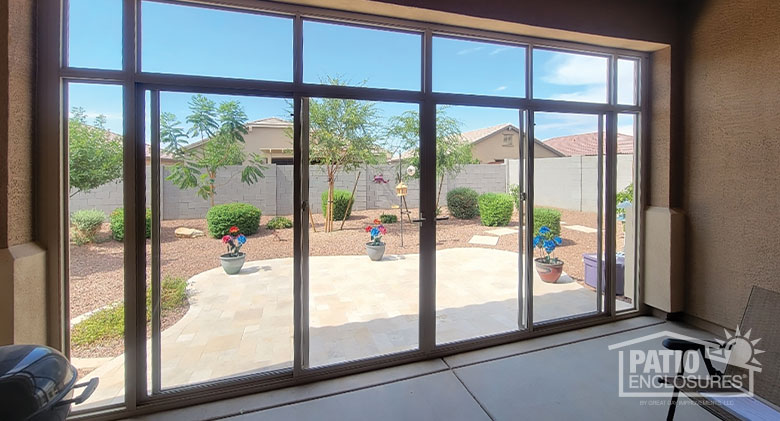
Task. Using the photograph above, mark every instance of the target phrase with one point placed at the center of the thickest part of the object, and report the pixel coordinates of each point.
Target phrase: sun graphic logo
(737, 350)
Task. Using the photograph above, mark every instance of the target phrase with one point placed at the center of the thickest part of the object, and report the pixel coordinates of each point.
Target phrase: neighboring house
(165, 159)
(267, 137)
(497, 143)
(587, 144)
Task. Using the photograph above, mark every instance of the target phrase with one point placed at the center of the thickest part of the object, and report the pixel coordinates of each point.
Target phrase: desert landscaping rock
(188, 233)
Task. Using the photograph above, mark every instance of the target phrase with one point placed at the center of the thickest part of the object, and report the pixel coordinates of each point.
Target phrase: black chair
(761, 320)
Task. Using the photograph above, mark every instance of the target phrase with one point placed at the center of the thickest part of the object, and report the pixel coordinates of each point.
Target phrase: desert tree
(221, 129)
(452, 151)
(94, 153)
(343, 136)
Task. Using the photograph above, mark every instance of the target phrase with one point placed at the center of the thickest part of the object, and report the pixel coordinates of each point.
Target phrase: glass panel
(360, 57)
(626, 212)
(566, 192)
(225, 162)
(569, 76)
(478, 152)
(96, 279)
(364, 264)
(95, 34)
(209, 42)
(627, 77)
(482, 67)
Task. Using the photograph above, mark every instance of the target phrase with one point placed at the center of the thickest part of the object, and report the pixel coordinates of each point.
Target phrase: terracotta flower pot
(232, 264)
(375, 252)
(549, 272)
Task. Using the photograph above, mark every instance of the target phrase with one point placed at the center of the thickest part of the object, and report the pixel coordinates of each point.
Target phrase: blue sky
(196, 41)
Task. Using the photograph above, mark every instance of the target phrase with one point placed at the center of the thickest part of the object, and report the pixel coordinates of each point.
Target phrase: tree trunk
(213, 176)
(329, 212)
(438, 194)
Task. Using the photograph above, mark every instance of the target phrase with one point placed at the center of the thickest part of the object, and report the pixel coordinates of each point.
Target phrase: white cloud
(576, 70)
(596, 93)
(469, 50)
(500, 88)
(498, 50)
(627, 129)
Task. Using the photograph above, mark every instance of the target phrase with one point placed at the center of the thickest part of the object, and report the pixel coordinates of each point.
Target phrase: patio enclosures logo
(648, 370)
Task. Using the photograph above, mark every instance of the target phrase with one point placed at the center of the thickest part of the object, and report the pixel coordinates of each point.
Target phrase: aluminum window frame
(54, 76)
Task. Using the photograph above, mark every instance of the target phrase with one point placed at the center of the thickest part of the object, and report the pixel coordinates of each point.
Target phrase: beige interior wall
(732, 152)
(22, 279)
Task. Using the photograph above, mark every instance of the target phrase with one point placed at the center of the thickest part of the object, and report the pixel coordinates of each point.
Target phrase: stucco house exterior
(269, 138)
(497, 143)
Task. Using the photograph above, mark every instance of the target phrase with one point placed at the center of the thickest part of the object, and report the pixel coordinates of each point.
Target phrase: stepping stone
(484, 240)
(502, 231)
(581, 228)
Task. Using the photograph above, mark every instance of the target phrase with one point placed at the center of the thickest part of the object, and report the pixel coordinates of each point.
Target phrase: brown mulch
(96, 269)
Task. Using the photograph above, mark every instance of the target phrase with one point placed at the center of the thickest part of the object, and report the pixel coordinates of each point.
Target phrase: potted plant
(548, 267)
(233, 260)
(376, 248)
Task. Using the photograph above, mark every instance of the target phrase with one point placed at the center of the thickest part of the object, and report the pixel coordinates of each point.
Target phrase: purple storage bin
(589, 259)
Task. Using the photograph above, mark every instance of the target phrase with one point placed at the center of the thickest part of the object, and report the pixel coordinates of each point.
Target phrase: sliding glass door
(286, 195)
(362, 224)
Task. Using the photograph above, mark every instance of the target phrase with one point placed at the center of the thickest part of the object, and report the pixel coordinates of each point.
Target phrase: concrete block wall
(106, 197)
(484, 178)
(382, 195)
(284, 190)
(186, 204)
(568, 183)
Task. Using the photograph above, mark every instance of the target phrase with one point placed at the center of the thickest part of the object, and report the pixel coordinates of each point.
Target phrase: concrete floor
(571, 375)
(358, 308)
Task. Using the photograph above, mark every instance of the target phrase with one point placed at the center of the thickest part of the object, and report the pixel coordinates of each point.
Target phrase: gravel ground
(114, 347)
(96, 269)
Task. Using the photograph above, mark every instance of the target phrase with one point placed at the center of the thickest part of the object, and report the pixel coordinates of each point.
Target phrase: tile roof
(587, 144)
(474, 136)
(269, 122)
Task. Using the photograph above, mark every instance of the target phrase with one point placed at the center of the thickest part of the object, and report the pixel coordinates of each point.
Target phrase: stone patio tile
(473, 298)
(502, 231)
(484, 240)
(581, 228)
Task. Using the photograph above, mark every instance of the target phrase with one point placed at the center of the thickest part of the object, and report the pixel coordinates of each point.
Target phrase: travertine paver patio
(358, 308)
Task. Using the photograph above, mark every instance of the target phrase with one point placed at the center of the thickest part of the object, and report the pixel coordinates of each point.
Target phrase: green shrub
(547, 217)
(514, 191)
(463, 203)
(340, 204)
(117, 221)
(388, 218)
(86, 224)
(108, 323)
(496, 209)
(625, 195)
(279, 222)
(242, 215)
